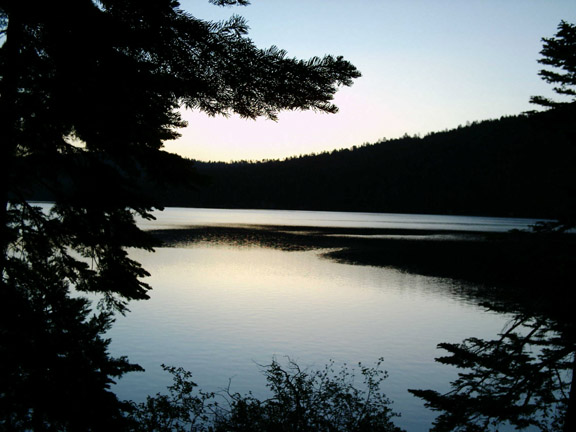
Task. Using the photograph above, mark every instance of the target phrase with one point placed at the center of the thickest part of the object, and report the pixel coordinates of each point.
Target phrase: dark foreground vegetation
(327, 400)
(89, 92)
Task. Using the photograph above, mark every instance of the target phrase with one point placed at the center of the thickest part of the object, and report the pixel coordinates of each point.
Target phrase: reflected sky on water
(220, 309)
(180, 217)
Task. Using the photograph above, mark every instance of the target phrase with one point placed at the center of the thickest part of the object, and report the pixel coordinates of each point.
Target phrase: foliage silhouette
(83, 114)
(55, 370)
(560, 53)
(301, 400)
(524, 378)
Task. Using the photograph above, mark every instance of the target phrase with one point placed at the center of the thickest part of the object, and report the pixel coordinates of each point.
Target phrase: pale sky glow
(427, 65)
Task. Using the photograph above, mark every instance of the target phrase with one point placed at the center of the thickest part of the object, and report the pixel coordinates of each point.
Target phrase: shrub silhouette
(301, 400)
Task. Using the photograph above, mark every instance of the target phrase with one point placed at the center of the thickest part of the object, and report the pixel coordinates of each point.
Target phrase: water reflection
(218, 309)
(229, 297)
(180, 217)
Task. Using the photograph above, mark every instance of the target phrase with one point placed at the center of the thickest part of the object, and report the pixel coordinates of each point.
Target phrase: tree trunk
(570, 420)
(8, 124)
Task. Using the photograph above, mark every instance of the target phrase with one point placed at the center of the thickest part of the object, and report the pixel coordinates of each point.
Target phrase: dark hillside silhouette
(514, 166)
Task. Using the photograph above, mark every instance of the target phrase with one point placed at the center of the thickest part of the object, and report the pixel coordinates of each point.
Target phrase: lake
(220, 308)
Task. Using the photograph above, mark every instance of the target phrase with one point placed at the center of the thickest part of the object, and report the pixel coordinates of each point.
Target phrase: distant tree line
(518, 166)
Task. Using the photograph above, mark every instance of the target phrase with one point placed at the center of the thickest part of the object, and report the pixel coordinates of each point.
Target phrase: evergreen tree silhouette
(89, 92)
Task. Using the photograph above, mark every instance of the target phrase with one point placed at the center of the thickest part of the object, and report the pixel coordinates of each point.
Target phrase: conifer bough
(89, 92)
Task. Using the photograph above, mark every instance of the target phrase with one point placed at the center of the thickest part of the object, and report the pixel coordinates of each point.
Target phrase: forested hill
(514, 166)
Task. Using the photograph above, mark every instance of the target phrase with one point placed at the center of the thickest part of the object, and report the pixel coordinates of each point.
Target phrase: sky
(427, 65)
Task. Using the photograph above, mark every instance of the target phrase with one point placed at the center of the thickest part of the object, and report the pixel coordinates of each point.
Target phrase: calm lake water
(183, 217)
(221, 309)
